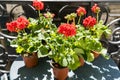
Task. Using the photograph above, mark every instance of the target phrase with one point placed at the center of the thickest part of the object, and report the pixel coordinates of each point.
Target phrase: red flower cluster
(81, 11)
(95, 8)
(17, 25)
(89, 22)
(38, 5)
(67, 29)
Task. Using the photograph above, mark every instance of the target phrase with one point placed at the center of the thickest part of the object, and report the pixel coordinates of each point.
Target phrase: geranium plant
(90, 34)
(31, 32)
(72, 40)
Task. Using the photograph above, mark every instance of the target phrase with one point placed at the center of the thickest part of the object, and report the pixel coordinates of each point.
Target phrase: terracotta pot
(60, 73)
(31, 60)
(81, 61)
(96, 54)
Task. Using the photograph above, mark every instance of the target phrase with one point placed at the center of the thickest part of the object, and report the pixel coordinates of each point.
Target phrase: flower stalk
(39, 13)
(97, 17)
(79, 20)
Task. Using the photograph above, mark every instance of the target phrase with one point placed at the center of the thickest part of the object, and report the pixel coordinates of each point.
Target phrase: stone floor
(114, 9)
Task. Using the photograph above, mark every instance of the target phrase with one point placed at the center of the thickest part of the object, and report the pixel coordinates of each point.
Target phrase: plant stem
(67, 21)
(24, 31)
(73, 20)
(79, 20)
(39, 12)
(97, 17)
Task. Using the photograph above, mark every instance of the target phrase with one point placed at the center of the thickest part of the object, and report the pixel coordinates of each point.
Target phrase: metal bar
(47, 0)
(61, 0)
(7, 36)
(30, 1)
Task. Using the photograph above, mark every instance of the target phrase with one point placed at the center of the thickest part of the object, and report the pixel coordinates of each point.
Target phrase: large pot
(31, 60)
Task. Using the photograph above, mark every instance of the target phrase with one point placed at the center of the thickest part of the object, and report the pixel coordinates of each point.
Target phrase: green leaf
(75, 63)
(41, 36)
(42, 51)
(107, 33)
(19, 49)
(64, 62)
(31, 49)
(90, 57)
(79, 51)
(104, 53)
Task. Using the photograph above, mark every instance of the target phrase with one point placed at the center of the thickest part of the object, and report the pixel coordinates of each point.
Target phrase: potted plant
(72, 41)
(91, 32)
(30, 41)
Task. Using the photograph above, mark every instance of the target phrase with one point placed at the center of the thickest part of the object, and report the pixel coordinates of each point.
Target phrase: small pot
(81, 61)
(60, 73)
(31, 60)
(96, 54)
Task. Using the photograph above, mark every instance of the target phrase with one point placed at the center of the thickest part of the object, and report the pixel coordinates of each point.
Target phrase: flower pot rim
(52, 63)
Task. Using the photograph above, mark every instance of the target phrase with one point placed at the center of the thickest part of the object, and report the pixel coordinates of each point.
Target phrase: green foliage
(42, 37)
(89, 40)
(66, 50)
(33, 39)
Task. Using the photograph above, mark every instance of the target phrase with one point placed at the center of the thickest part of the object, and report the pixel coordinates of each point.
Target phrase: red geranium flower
(89, 22)
(67, 29)
(12, 26)
(81, 11)
(22, 22)
(38, 5)
(95, 8)
(17, 25)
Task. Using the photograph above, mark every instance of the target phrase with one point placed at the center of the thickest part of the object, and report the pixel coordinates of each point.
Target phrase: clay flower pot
(31, 60)
(96, 54)
(60, 73)
(81, 61)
